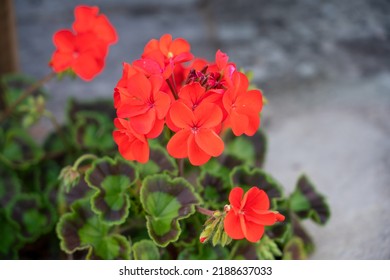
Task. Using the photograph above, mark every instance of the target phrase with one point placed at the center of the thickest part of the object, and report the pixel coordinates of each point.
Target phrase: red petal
(195, 154)
(255, 199)
(266, 219)
(177, 145)
(156, 129)
(144, 123)
(139, 86)
(61, 61)
(181, 115)
(64, 40)
(84, 18)
(165, 42)
(148, 66)
(87, 66)
(179, 46)
(209, 142)
(162, 102)
(232, 226)
(104, 29)
(235, 197)
(239, 123)
(221, 59)
(208, 115)
(253, 231)
(141, 151)
(192, 94)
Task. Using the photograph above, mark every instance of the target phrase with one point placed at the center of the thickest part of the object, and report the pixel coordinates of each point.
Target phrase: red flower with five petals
(144, 103)
(84, 49)
(243, 106)
(249, 214)
(196, 138)
(131, 145)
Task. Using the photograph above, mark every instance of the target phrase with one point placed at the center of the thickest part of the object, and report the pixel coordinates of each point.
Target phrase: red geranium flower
(84, 49)
(131, 145)
(160, 56)
(196, 138)
(144, 103)
(249, 214)
(243, 106)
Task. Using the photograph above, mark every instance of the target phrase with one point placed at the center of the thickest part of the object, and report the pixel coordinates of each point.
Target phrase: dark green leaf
(93, 130)
(20, 150)
(82, 229)
(246, 178)
(9, 241)
(145, 250)
(166, 201)
(9, 186)
(111, 180)
(159, 162)
(103, 107)
(249, 149)
(307, 202)
(299, 231)
(33, 219)
(215, 189)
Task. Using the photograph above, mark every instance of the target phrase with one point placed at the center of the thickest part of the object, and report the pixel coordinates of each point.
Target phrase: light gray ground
(323, 65)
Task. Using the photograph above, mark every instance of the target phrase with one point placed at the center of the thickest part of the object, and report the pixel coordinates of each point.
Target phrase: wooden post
(8, 46)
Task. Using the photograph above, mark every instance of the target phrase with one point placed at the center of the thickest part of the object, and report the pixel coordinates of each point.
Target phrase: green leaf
(9, 241)
(9, 186)
(306, 202)
(145, 250)
(249, 149)
(20, 150)
(294, 250)
(247, 178)
(93, 130)
(111, 247)
(82, 229)
(31, 217)
(166, 201)
(215, 189)
(299, 231)
(159, 162)
(104, 107)
(112, 180)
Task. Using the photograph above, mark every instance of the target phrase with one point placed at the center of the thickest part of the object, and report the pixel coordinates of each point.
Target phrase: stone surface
(323, 65)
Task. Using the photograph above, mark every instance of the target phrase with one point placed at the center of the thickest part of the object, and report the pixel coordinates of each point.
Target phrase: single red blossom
(249, 214)
(131, 145)
(194, 94)
(82, 53)
(127, 72)
(144, 103)
(83, 49)
(197, 138)
(160, 56)
(243, 107)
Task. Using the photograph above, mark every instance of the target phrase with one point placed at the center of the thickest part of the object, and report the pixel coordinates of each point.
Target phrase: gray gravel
(323, 65)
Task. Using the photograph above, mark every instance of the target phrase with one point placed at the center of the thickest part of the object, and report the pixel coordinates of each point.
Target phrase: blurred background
(324, 67)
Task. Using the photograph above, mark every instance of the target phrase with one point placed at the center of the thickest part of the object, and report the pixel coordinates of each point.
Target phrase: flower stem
(204, 211)
(30, 90)
(173, 89)
(82, 158)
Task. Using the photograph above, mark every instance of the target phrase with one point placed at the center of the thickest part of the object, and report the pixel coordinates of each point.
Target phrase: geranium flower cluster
(196, 99)
(84, 48)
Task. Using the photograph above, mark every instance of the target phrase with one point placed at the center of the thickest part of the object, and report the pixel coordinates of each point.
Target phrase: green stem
(82, 158)
(204, 211)
(30, 90)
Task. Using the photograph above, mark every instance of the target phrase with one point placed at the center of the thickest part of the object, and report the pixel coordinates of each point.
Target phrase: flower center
(194, 129)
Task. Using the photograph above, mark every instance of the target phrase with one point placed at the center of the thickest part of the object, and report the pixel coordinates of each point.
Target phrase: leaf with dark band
(159, 162)
(307, 202)
(166, 201)
(82, 229)
(246, 178)
(294, 250)
(32, 218)
(9, 186)
(111, 180)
